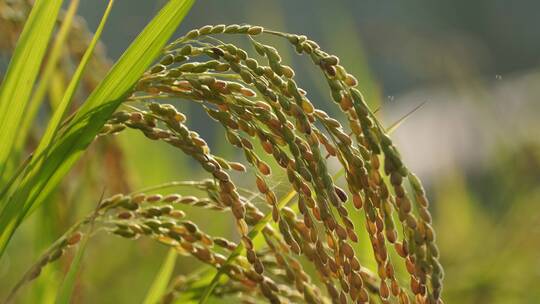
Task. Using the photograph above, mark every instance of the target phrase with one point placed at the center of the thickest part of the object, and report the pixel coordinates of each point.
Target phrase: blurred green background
(475, 143)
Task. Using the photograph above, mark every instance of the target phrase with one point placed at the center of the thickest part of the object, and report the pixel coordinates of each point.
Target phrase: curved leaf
(47, 170)
(22, 73)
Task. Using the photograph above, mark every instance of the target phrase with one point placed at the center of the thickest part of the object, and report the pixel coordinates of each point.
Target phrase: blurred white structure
(462, 126)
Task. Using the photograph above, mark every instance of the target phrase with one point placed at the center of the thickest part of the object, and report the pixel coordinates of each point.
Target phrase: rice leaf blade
(159, 285)
(46, 77)
(60, 112)
(22, 72)
(47, 171)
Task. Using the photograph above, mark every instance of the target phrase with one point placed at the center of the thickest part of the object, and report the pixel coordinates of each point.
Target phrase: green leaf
(22, 73)
(159, 286)
(45, 79)
(47, 170)
(62, 109)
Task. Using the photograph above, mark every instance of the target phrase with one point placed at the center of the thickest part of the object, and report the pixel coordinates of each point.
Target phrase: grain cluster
(253, 95)
(254, 98)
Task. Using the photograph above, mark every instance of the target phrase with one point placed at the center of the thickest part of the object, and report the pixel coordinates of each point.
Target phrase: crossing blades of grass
(22, 73)
(46, 171)
(46, 77)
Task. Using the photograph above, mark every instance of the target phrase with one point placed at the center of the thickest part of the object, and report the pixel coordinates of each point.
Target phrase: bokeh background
(475, 142)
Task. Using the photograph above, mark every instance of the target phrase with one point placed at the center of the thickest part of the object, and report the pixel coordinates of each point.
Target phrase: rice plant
(299, 247)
